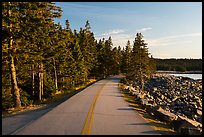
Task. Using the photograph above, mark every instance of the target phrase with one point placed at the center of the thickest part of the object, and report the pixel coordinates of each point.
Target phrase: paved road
(98, 109)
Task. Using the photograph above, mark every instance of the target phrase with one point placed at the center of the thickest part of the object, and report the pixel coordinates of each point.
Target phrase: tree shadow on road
(160, 126)
(155, 132)
(125, 108)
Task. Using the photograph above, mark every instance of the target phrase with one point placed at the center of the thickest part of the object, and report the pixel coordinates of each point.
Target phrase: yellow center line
(90, 115)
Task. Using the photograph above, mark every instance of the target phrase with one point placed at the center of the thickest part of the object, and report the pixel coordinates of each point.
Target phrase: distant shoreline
(178, 72)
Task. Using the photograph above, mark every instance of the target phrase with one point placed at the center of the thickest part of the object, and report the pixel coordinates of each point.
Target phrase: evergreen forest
(179, 64)
(41, 58)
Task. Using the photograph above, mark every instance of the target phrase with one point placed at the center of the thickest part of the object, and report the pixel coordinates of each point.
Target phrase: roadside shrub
(25, 98)
(123, 80)
(7, 101)
(49, 88)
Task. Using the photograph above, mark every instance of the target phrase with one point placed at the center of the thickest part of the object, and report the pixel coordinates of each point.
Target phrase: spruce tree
(116, 57)
(88, 47)
(10, 27)
(35, 21)
(87, 26)
(126, 58)
(140, 65)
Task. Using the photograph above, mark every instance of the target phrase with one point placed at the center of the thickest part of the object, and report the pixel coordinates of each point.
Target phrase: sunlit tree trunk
(55, 71)
(14, 90)
(63, 81)
(33, 80)
(40, 74)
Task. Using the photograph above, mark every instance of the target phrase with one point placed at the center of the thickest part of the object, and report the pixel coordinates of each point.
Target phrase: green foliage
(7, 101)
(68, 57)
(126, 58)
(124, 81)
(116, 57)
(49, 86)
(140, 66)
(25, 98)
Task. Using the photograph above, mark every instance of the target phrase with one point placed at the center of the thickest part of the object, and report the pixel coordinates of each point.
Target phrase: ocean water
(193, 76)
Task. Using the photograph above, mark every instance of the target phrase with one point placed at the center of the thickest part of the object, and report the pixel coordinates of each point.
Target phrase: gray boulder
(187, 126)
(165, 115)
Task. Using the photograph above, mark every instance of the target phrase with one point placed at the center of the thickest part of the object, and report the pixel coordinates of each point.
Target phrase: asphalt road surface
(99, 110)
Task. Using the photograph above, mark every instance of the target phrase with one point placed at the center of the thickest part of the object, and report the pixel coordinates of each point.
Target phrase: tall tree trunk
(40, 74)
(33, 80)
(141, 79)
(14, 90)
(60, 86)
(63, 83)
(39, 77)
(42, 81)
(142, 83)
(55, 71)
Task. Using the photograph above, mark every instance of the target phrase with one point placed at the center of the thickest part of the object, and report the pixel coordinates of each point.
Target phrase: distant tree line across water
(179, 64)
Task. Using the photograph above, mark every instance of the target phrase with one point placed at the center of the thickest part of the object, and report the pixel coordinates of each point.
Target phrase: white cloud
(183, 35)
(119, 37)
(165, 41)
(157, 42)
(113, 32)
(76, 5)
(176, 46)
(144, 29)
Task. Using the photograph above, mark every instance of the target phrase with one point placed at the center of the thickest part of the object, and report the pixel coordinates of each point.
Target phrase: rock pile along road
(99, 110)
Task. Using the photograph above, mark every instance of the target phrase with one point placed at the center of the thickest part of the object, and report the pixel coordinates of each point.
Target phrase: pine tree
(140, 66)
(67, 25)
(119, 50)
(126, 58)
(99, 66)
(87, 26)
(107, 56)
(116, 57)
(35, 25)
(10, 28)
(152, 64)
(88, 47)
(79, 71)
(44, 57)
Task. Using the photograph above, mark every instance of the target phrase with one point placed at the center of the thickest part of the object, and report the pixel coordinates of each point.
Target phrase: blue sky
(171, 29)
